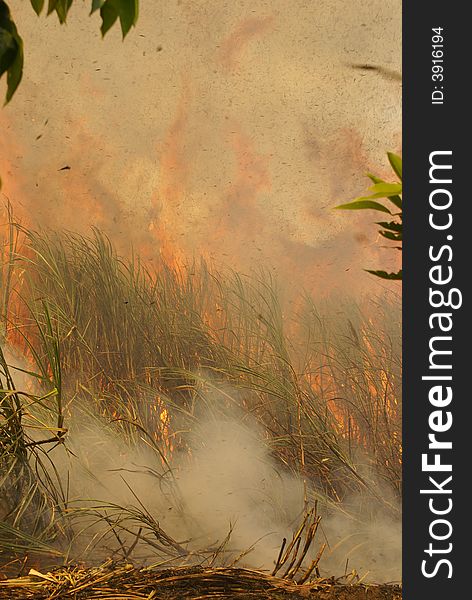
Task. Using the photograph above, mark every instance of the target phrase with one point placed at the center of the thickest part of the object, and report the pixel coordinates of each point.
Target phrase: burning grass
(113, 345)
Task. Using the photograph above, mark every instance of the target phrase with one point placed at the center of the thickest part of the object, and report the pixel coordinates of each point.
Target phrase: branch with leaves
(393, 228)
(11, 44)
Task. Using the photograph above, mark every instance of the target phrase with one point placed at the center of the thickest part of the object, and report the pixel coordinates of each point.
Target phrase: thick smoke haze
(226, 481)
(228, 130)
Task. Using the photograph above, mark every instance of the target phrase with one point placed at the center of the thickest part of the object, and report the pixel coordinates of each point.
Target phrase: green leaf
(8, 50)
(374, 196)
(374, 178)
(37, 6)
(385, 275)
(397, 237)
(62, 8)
(126, 10)
(385, 190)
(397, 201)
(109, 16)
(363, 204)
(396, 163)
(51, 6)
(15, 72)
(96, 4)
(391, 230)
(390, 225)
(11, 51)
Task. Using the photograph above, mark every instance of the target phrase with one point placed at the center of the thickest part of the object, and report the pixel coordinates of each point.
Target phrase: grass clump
(143, 350)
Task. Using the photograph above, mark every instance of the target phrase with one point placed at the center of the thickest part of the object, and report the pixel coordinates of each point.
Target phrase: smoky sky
(216, 128)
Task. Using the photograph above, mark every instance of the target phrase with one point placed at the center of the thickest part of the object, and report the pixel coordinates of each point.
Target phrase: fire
(163, 434)
(174, 172)
(380, 399)
(240, 220)
(13, 312)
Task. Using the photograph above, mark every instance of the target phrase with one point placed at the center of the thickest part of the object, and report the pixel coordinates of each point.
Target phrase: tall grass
(143, 348)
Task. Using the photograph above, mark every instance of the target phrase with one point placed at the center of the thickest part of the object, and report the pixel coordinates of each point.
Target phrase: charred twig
(279, 558)
(293, 557)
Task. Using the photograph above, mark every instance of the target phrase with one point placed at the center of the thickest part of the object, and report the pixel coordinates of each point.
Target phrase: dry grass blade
(114, 581)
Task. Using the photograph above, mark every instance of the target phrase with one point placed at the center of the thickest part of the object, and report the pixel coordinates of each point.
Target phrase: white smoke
(226, 482)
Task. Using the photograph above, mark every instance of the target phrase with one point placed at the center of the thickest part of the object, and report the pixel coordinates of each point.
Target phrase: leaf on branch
(128, 11)
(374, 178)
(96, 4)
(110, 10)
(62, 8)
(37, 6)
(8, 50)
(396, 163)
(109, 16)
(397, 201)
(396, 237)
(391, 230)
(390, 225)
(11, 51)
(363, 204)
(385, 190)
